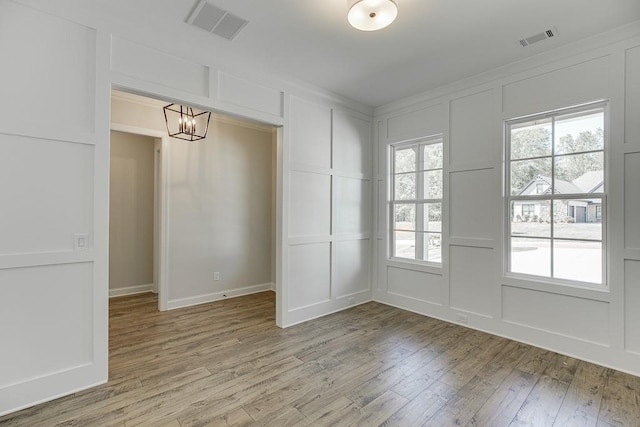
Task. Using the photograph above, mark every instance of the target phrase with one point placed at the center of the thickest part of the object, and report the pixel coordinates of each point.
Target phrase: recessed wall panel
(382, 207)
(573, 317)
(632, 200)
(632, 302)
(247, 94)
(152, 65)
(424, 122)
(471, 278)
(310, 133)
(309, 274)
(472, 206)
(46, 188)
(472, 137)
(415, 284)
(46, 55)
(309, 204)
(381, 271)
(583, 82)
(351, 143)
(53, 307)
(632, 96)
(353, 201)
(381, 148)
(351, 269)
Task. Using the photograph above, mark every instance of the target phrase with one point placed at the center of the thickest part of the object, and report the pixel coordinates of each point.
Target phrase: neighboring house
(575, 210)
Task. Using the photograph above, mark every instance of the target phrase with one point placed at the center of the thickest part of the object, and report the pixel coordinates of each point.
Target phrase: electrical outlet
(462, 318)
(216, 275)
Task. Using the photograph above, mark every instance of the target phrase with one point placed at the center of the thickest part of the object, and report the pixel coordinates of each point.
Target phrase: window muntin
(415, 202)
(555, 180)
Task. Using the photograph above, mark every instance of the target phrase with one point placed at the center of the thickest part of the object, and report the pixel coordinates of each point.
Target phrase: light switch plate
(80, 241)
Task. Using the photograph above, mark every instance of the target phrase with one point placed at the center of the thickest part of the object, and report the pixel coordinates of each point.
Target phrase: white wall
(596, 325)
(131, 214)
(219, 216)
(53, 181)
(55, 171)
(329, 190)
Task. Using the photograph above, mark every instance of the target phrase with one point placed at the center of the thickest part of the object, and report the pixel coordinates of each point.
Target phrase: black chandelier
(183, 123)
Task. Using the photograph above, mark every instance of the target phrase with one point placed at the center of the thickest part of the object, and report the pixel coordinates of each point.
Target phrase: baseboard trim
(130, 290)
(217, 296)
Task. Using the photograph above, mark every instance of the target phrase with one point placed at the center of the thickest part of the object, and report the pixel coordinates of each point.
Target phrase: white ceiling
(432, 42)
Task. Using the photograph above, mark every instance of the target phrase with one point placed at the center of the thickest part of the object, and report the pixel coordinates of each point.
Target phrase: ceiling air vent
(547, 34)
(215, 20)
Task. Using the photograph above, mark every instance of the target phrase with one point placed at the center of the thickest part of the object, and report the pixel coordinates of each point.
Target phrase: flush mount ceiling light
(183, 123)
(371, 15)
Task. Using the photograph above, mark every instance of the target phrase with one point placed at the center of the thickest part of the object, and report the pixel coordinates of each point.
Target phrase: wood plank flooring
(226, 363)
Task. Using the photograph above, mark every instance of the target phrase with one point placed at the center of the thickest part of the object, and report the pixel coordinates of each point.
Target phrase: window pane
(405, 186)
(432, 247)
(577, 219)
(531, 139)
(527, 174)
(581, 261)
(432, 182)
(579, 173)
(531, 218)
(405, 217)
(432, 217)
(531, 256)
(579, 132)
(405, 244)
(432, 155)
(405, 160)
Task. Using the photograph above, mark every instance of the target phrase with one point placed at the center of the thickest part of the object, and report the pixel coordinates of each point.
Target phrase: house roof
(586, 183)
(566, 187)
(562, 187)
(590, 181)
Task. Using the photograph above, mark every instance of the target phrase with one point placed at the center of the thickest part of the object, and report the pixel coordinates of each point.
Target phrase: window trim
(392, 202)
(508, 198)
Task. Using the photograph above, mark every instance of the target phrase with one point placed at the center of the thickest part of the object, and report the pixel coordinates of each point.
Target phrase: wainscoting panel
(589, 319)
(351, 269)
(351, 143)
(472, 137)
(311, 133)
(309, 274)
(61, 328)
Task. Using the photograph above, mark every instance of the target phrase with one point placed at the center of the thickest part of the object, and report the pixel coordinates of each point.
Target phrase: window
(416, 200)
(539, 188)
(528, 210)
(557, 236)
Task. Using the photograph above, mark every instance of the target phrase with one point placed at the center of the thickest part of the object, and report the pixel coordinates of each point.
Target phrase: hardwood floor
(226, 363)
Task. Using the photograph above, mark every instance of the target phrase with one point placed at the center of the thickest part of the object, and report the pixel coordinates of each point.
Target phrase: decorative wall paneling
(329, 238)
(595, 324)
(320, 201)
(53, 294)
(49, 201)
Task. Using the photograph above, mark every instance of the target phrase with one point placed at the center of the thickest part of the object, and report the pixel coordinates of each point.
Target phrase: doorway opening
(213, 221)
(133, 234)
